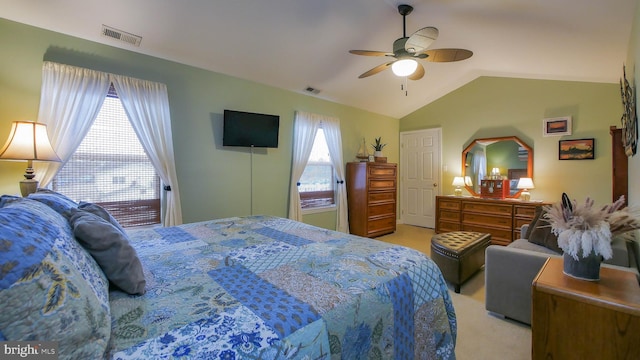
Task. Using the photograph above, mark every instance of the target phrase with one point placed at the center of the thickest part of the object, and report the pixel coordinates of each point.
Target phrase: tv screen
(250, 129)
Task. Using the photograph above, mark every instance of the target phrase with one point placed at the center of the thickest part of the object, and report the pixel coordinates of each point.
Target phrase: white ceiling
(293, 44)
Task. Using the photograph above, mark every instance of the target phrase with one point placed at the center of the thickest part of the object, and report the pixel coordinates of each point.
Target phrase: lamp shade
(467, 181)
(28, 141)
(525, 183)
(458, 181)
(404, 67)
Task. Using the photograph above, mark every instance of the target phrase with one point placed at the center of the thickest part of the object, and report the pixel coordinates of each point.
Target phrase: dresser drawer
(382, 171)
(380, 184)
(488, 220)
(449, 215)
(499, 209)
(384, 209)
(382, 226)
(382, 196)
(445, 226)
(498, 236)
(524, 211)
(449, 204)
(520, 222)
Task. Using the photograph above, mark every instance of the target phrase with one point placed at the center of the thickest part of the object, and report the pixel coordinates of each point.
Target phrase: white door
(419, 176)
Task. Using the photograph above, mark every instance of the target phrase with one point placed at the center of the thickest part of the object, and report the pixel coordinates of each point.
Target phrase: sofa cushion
(111, 249)
(526, 245)
(539, 232)
(50, 287)
(621, 251)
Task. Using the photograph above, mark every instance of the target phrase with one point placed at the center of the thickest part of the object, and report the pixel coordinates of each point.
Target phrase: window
(317, 182)
(110, 168)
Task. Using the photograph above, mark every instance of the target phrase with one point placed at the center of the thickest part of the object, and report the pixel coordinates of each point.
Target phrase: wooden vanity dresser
(500, 218)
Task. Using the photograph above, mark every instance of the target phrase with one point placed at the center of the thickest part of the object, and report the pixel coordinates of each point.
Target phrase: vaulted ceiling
(296, 44)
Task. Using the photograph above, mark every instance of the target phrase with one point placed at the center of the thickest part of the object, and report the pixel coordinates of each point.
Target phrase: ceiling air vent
(312, 90)
(120, 35)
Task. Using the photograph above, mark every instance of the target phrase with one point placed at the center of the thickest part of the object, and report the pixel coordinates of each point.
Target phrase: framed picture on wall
(556, 126)
(580, 149)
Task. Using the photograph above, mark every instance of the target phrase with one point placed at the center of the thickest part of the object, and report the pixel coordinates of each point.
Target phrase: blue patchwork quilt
(271, 288)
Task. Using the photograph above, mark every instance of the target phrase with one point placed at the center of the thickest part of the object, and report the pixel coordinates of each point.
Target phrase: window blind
(110, 168)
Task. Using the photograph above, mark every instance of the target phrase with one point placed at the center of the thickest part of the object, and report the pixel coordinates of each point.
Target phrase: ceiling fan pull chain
(405, 87)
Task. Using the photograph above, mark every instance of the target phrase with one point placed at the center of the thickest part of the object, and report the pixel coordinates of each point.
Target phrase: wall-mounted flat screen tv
(250, 129)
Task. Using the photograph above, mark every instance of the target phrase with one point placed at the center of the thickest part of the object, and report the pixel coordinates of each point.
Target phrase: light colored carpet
(484, 336)
(480, 334)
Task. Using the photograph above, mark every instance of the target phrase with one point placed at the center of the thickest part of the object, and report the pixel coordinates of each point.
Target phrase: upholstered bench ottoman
(459, 254)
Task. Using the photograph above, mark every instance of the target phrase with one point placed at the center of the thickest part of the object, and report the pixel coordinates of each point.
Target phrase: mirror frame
(496, 139)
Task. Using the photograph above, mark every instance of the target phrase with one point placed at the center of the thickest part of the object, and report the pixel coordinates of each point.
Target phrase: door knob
(435, 185)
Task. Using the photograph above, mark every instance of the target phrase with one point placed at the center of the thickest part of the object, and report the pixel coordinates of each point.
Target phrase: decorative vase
(585, 268)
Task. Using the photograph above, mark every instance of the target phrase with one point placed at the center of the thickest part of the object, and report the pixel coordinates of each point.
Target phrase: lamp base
(28, 186)
(525, 195)
(457, 192)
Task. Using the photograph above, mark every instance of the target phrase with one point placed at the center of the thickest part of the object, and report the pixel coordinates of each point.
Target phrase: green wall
(493, 106)
(214, 181)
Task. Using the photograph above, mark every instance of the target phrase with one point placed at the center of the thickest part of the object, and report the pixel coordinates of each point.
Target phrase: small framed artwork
(556, 126)
(580, 149)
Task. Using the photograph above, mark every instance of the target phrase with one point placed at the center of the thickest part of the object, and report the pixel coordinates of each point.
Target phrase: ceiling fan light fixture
(404, 67)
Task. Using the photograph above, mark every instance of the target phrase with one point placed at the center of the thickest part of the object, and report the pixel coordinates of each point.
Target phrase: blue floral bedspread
(271, 288)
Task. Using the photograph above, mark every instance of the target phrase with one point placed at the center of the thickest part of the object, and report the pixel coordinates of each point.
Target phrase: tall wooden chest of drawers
(371, 195)
(500, 218)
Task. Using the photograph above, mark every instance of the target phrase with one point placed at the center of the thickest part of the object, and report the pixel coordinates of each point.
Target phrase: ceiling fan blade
(447, 55)
(420, 40)
(370, 53)
(418, 74)
(376, 70)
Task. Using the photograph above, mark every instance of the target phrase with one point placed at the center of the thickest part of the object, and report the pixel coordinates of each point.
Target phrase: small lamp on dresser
(458, 181)
(525, 184)
(28, 141)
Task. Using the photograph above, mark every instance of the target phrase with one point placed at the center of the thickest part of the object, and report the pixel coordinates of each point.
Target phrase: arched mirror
(511, 157)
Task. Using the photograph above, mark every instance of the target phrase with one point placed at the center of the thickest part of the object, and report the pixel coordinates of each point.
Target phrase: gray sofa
(510, 270)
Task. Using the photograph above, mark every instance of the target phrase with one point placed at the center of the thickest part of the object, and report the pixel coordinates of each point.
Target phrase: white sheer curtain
(331, 128)
(305, 127)
(147, 106)
(479, 166)
(70, 100)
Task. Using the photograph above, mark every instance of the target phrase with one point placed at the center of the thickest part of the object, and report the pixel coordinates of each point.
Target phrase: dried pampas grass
(582, 228)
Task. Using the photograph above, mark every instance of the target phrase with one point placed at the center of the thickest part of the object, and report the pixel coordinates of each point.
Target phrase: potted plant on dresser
(377, 147)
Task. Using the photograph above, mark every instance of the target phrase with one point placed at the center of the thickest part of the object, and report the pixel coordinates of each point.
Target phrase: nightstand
(577, 319)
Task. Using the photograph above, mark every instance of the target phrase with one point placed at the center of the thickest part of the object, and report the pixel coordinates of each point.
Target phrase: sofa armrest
(509, 273)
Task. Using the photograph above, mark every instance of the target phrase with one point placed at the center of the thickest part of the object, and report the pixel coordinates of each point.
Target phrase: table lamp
(525, 184)
(28, 141)
(458, 181)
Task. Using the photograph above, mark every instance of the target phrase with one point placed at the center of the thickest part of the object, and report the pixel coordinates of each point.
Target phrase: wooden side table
(577, 319)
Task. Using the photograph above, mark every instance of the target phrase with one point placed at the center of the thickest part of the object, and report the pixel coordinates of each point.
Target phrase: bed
(257, 287)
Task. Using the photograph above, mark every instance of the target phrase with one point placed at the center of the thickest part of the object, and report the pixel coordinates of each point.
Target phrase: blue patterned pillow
(54, 200)
(7, 199)
(50, 287)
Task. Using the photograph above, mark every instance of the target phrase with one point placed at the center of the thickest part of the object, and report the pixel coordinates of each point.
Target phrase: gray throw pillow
(96, 209)
(111, 249)
(539, 232)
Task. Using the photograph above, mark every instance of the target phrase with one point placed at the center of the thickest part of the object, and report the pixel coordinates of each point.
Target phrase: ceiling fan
(407, 49)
